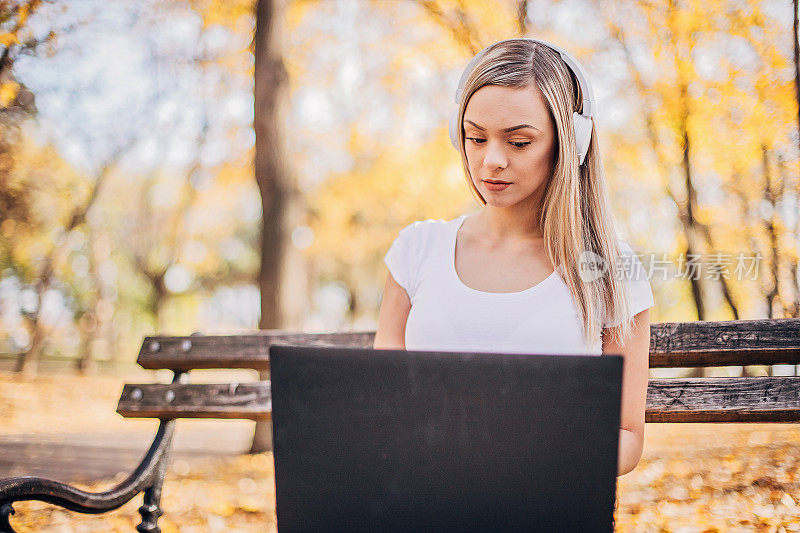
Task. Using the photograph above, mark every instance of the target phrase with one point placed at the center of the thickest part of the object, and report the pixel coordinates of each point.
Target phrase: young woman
(539, 268)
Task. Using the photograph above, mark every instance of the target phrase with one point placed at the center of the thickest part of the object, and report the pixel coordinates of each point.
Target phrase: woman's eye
(516, 144)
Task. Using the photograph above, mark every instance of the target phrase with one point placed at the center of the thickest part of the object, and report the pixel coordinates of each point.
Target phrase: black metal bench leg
(151, 505)
(6, 510)
(147, 477)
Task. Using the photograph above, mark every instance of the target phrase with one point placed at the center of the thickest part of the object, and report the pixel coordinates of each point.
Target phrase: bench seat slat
(725, 343)
(753, 399)
(750, 399)
(234, 351)
(180, 400)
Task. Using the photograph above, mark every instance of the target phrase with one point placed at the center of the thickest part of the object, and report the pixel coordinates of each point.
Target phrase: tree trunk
(796, 40)
(158, 298)
(688, 217)
(96, 324)
(772, 296)
(88, 326)
(28, 363)
(792, 299)
(271, 173)
(522, 18)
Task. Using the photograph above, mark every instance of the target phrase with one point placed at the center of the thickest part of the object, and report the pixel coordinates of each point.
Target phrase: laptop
(395, 440)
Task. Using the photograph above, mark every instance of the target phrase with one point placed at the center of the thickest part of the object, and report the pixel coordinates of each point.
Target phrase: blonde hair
(575, 211)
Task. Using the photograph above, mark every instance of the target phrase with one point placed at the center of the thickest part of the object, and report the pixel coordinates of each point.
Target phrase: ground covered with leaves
(692, 477)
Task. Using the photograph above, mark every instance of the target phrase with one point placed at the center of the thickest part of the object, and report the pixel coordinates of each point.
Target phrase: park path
(101, 455)
(65, 427)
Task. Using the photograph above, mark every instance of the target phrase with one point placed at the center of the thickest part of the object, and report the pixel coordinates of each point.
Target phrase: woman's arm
(395, 306)
(636, 353)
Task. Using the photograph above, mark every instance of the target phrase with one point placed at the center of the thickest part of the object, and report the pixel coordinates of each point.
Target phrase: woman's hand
(636, 354)
(395, 306)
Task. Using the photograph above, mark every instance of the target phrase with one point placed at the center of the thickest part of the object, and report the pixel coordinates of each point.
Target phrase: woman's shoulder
(624, 247)
(429, 226)
(627, 253)
(416, 245)
(437, 222)
(630, 263)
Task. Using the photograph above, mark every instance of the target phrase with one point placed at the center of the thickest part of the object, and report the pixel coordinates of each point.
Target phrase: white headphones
(582, 121)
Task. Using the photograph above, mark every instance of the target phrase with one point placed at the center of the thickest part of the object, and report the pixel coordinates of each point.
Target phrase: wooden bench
(672, 345)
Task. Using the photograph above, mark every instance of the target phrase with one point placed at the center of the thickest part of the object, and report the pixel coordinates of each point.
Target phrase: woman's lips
(495, 185)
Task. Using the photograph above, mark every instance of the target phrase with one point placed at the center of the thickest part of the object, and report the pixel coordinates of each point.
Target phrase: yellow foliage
(296, 12)
(22, 14)
(8, 39)
(8, 93)
(737, 110)
(53, 190)
(356, 215)
(223, 12)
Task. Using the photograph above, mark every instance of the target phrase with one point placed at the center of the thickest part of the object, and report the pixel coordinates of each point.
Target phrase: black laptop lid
(402, 440)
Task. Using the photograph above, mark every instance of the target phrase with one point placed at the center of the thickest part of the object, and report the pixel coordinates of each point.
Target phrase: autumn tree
(685, 104)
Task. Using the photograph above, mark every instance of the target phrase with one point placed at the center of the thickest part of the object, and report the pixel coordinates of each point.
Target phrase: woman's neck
(506, 224)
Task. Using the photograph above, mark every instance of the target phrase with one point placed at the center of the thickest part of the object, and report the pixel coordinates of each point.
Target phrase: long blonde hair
(575, 214)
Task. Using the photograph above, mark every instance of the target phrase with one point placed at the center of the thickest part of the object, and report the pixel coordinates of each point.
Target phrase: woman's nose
(495, 157)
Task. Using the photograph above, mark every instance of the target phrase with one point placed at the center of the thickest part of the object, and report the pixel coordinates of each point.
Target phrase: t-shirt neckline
(485, 294)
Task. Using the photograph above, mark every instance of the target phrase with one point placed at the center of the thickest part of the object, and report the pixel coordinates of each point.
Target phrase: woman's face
(510, 142)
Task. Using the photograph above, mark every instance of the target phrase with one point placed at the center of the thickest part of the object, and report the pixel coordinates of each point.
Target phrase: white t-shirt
(447, 315)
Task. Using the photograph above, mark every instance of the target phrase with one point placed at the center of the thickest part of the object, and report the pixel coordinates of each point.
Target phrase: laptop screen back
(400, 440)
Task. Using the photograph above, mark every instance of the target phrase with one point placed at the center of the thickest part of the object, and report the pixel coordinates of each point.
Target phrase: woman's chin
(498, 202)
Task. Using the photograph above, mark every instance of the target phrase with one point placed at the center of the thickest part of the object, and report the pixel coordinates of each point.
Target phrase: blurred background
(132, 200)
(172, 166)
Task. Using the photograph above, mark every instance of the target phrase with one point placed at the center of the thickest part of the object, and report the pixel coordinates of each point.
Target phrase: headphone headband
(574, 65)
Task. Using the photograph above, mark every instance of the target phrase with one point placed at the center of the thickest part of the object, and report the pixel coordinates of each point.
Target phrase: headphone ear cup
(583, 134)
(454, 129)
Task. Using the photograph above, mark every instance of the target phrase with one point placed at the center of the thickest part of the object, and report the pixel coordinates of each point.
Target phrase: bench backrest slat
(730, 342)
(683, 344)
(234, 351)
